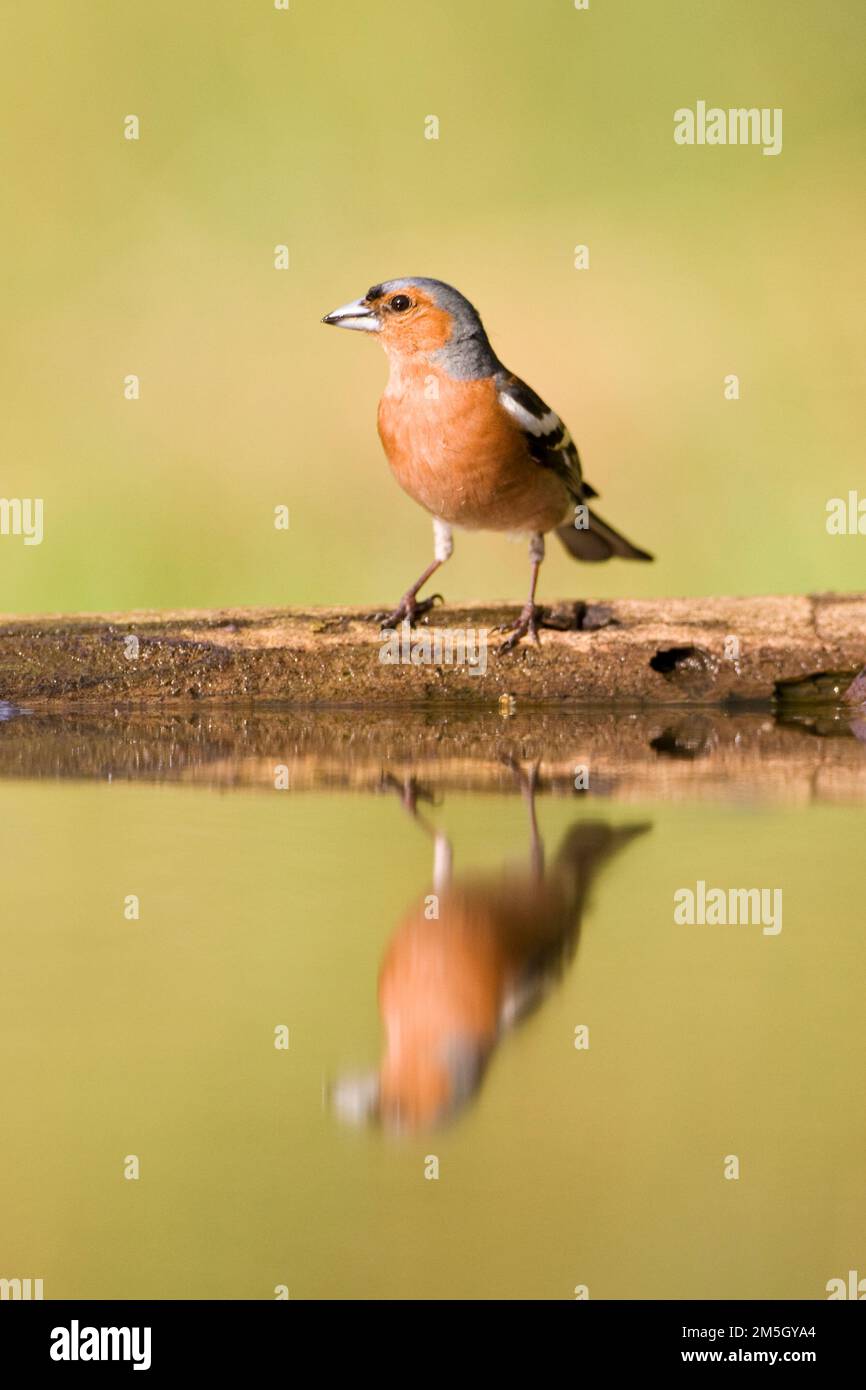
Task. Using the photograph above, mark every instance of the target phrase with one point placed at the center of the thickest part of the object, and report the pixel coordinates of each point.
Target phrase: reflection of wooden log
(671, 754)
(669, 650)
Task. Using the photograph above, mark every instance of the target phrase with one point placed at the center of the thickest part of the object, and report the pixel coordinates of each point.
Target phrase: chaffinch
(470, 441)
(451, 988)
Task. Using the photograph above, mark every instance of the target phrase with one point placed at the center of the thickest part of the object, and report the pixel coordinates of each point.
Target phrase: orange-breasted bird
(451, 988)
(470, 441)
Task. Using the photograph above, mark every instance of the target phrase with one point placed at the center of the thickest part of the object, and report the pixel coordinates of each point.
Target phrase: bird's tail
(586, 846)
(598, 541)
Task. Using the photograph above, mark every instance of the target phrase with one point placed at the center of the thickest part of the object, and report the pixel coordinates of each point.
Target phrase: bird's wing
(547, 438)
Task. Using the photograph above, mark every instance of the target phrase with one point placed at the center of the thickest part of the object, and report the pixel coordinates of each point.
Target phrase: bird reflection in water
(467, 964)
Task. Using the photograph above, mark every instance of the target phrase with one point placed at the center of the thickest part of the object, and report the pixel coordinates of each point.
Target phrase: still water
(511, 1072)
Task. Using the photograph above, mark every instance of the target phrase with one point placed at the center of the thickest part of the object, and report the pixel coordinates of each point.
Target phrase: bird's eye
(400, 303)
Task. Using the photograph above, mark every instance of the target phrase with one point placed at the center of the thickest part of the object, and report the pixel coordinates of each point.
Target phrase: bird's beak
(358, 315)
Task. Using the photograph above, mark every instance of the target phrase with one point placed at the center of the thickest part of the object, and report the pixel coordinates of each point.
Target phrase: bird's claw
(408, 610)
(409, 790)
(527, 625)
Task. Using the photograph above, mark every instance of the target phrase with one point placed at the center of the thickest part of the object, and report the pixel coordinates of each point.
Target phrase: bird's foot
(528, 775)
(409, 609)
(527, 625)
(409, 790)
(575, 617)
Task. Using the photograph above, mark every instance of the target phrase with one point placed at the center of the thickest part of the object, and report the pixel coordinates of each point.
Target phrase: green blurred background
(306, 127)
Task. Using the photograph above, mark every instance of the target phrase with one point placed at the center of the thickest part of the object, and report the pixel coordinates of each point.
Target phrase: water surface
(286, 866)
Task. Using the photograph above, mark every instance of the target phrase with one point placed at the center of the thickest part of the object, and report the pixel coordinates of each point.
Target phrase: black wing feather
(550, 445)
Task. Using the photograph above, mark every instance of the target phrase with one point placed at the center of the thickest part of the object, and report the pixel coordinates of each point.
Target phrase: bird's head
(414, 317)
(413, 1092)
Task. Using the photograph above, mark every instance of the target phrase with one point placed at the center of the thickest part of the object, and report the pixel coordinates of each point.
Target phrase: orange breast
(443, 984)
(454, 450)
(440, 990)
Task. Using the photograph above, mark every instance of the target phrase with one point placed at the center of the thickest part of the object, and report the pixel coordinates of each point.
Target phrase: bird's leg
(411, 792)
(443, 861)
(536, 843)
(529, 779)
(530, 615)
(409, 608)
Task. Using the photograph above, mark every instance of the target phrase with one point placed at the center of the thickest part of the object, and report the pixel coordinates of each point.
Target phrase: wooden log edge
(656, 651)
